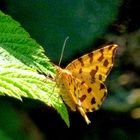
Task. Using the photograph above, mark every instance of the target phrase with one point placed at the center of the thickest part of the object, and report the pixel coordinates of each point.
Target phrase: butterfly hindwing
(91, 95)
(80, 95)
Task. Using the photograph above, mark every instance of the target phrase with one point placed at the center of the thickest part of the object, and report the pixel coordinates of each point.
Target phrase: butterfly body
(81, 82)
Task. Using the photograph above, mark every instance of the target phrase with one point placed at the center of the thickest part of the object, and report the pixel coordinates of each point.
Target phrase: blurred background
(89, 24)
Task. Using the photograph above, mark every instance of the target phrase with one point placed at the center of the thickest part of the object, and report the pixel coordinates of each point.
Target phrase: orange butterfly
(81, 82)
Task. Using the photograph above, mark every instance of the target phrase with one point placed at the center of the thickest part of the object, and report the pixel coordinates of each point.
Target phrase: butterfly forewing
(95, 65)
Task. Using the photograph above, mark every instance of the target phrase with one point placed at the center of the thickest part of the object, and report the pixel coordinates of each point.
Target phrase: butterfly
(81, 82)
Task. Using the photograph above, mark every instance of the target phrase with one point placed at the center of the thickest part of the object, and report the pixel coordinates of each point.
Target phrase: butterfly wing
(90, 96)
(95, 65)
(67, 87)
(77, 94)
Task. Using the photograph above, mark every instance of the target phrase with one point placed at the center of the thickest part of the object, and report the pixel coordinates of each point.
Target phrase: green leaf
(4, 136)
(23, 66)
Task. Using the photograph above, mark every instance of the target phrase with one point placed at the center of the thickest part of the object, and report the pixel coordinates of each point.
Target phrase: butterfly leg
(79, 104)
(81, 110)
(79, 107)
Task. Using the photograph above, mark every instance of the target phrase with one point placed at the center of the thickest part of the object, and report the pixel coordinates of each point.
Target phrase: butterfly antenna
(61, 56)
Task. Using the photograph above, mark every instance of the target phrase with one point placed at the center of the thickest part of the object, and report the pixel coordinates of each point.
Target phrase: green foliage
(20, 60)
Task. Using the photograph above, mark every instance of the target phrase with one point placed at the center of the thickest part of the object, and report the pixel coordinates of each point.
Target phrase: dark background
(88, 24)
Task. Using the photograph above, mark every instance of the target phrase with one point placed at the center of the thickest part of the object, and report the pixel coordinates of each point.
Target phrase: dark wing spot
(93, 101)
(106, 63)
(93, 109)
(71, 80)
(98, 105)
(105, 93)
(100, 77)
(82, 82)
(81, 61)
(82, 98)
(93, 72)
(80, 70)
(89, 89)
(101, 57)
(91, 57)
(110, 47)
(102, 86)
(74, 88)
